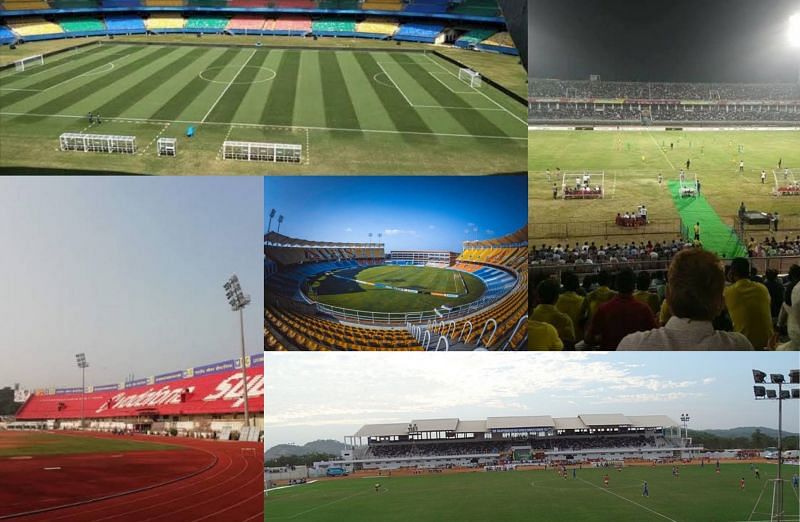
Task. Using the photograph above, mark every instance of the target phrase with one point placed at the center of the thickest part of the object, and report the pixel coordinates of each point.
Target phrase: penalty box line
(628, 500)
(266, 125)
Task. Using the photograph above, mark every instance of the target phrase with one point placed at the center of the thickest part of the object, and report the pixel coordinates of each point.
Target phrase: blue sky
(410, 212)
(714, 388)
(128, 270)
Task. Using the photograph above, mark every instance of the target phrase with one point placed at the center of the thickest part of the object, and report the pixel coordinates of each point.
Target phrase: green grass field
(632, 160)
(338, 291)
(699, 494)
(352, 110)
(34, 443)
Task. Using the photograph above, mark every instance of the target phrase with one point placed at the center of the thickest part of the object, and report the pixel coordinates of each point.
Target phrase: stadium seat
(291, 24)
(246, 23)
(419, 32)
(7, 36)
(124, 24)
(206, 23)
(474, 37)
(378, 26)
(382, 5)
(82, 25)
(21, 5)
(486, 8)
(26, 27)
(158, 22)
(332, 26)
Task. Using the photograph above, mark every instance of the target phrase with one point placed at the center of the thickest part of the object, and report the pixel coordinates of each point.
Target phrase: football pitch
(698, 494)
(27, 444)
(342, 289)
(632, 161)
(351, 110)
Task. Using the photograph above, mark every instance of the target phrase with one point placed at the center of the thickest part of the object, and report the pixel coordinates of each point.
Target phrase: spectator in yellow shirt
(546, 312)
(643, 294)
(569, 302)
(543, 336)
(596, 297)
(748, 305)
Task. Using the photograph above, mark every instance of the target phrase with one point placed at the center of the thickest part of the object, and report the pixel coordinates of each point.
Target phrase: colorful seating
(477, 8)
(7, 36)
(500, 39)
(207, 23)
(377, 26)
(22, 5)
(124, 24)
(164, 21)
(248, 3)
(294, 24)
(383, 5)
(120, 3)
(294, 4)
(340, 5)
(334, 25)
(82, 25)
(163, 3)
(419, 32)
(74, 4)
(474, 37)
(35, 26)
(246, 23)
(428, 6)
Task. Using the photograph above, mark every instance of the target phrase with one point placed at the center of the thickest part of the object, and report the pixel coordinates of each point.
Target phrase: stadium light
(685, 420)
(762, 393)
(82, 364)
(271, 215)
(280, 220)
(238, 300)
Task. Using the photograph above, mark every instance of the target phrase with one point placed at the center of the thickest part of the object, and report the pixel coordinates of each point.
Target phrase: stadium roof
(514, 238)
(612, 419)
(518, 422)
(499, 423)
(279, 240)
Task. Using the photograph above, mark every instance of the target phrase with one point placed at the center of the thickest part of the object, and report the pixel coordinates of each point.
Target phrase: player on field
(547, 173)
(683, 176)
(660, 179)
(758, 474)
(763, 176)
(688, 163)
(741, 484)
(645, 490)
(575, 473)
(605, 480)
(377, 487)
(741, 166)
(697, 231)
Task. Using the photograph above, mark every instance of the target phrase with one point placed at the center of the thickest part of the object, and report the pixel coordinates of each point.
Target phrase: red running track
(203, 480)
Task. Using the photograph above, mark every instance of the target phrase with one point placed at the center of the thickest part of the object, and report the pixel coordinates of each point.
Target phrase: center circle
(269, 74)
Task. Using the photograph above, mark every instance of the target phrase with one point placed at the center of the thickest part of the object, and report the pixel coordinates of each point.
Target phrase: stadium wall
(213, 389)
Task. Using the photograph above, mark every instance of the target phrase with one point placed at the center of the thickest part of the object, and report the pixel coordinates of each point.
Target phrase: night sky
(675, 40)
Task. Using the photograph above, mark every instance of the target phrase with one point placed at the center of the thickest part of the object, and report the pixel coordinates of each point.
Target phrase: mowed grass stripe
(311, 110)
(279, 109)
(133, 94)
(10, 77)
(176, 105)
(339, 110)
(17, 96)
(369, 109)
(225, 110)
(101, 82)
(472, 120)
(403, 116)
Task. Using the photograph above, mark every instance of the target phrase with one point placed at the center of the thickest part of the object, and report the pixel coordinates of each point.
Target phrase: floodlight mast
(82, 364)
(238, 300)
(761, 393)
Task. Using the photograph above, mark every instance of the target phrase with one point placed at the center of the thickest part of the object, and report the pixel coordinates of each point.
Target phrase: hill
(747, 431)
(329, 446)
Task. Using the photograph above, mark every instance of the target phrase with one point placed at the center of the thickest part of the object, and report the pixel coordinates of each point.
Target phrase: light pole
(380, 235)
(271, 215)
(82, 364)
(762, 393)
(685, 420)
(238, 300)
(280, 220)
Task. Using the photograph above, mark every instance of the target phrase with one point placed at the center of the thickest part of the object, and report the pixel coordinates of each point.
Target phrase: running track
(204, 480)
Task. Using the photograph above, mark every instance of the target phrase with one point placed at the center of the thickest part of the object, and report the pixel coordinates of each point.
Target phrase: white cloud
(399, 232)
(348, 229)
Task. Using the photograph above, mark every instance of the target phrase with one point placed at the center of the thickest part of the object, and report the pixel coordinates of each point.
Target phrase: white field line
(436, 77)
(321, 506)
(525, 122)
(163, 129)
(229, 85)
(265, 125)
(463, 108)
(87, 73)
(395, 84)
(308, 147)
(628, 500)
(661, 150)
(67, 61)
(222, 145)
(763, 487)
(12, 89)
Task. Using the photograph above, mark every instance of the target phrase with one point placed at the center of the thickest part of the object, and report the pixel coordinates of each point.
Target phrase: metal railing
(575, 229)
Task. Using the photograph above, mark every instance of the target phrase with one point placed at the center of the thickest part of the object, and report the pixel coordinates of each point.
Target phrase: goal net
(469, 76)
(26, 63)
(786, 184)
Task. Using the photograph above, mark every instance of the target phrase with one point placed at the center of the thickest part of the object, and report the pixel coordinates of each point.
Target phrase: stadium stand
(382, 27)
(161, 22)
(206, 24)
(6, 35)
(429, 444)
(293, 4)
(82, 25)
(333, 26)
(419, 32)
(120, 3)
(499, 42)
(340, 5)
(290, 25)
(486, 8)
(163, 3)
(33, 27)
(121, 24)
(200, 401)
(246, 23)
(473, 37)
(23, 5)
(492, 321)
(382, 5)
(427, 6)
(74, 4)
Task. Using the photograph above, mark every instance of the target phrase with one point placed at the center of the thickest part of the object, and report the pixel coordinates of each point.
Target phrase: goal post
(26, 63)
(467, 75)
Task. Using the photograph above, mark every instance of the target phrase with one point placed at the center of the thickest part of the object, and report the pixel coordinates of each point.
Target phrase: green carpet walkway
(714, 233)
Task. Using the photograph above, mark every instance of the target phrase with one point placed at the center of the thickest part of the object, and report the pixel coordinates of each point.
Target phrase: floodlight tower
(793, 34)
(82, 364)
(685, 420)
(280, 220)
(380, 235)
(271, 215)
(762, 393)
(238, 300)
